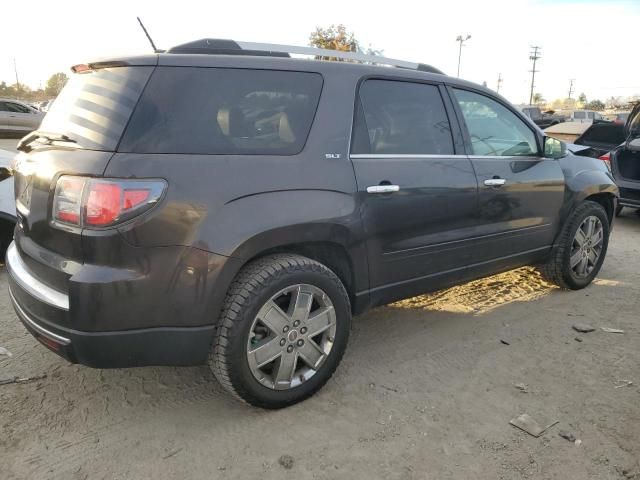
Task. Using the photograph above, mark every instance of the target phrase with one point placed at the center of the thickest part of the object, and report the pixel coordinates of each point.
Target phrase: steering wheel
(493, 150)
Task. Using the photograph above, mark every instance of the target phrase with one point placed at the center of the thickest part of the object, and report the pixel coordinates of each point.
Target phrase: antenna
(153, 45)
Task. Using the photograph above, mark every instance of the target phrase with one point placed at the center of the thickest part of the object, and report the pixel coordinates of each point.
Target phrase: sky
(591, 41)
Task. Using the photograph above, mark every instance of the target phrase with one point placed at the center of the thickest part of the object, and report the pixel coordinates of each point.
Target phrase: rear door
(4, 116)
(520, 192)
(417, 190)
(21, 117)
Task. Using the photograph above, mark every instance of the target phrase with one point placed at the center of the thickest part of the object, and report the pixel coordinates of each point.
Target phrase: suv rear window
(94, 107)
(224, 111)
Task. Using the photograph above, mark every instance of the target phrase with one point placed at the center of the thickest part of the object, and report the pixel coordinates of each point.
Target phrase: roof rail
(231, 47)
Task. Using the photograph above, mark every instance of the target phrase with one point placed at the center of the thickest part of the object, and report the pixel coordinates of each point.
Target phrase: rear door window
(224, 111)
(402, 118)
(94, 107)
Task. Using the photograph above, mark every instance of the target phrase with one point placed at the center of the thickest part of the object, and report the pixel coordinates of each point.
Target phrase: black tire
(619, 210)
(557, 270)
(256, 283)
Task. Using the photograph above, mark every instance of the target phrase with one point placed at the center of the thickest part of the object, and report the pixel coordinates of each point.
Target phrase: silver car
(7, 202)
(18, 117)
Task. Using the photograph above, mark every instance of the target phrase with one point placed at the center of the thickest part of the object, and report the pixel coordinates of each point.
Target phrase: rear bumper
(46, 313)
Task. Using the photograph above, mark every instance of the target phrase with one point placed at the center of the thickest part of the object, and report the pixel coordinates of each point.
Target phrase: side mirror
(634, 145)
(554, 148)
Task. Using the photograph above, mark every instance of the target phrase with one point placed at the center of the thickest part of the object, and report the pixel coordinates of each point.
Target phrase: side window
(401, 118)
(579, 115)
(3, 107)
(14, 107)
(493, 128)
(224, 111)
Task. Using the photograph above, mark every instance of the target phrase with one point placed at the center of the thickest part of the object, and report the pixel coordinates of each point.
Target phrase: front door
(418, 195)
(520, 192)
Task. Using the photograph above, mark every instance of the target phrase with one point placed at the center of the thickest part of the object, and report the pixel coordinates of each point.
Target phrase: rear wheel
(581, 249)
(283, 331)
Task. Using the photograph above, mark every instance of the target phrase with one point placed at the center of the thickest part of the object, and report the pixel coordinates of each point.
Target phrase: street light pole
(461, 40)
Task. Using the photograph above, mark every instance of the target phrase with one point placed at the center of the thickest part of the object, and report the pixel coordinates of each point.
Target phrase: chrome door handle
(495, 182)
(383, 189)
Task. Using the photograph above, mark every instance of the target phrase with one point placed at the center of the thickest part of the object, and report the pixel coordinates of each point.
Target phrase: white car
(7, 201)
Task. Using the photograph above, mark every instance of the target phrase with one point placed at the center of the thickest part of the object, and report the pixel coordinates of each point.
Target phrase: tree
(582, 99)
(538, 99)
(335, 37)
(55, 83)
(596, 105)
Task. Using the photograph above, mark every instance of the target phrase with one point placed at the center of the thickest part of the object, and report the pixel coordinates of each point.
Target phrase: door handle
(495, 182)
(383, 189)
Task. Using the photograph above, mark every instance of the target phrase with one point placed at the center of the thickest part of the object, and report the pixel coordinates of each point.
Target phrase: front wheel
(581, 248)
(283, 331)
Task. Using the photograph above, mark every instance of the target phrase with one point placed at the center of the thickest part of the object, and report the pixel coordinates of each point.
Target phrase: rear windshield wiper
(42, 137)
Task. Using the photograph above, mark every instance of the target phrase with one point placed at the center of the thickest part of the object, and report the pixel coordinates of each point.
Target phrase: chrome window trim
(41, 330)
(23, 277)
(404, 155)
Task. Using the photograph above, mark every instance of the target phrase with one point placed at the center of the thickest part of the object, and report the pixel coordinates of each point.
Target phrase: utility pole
(461, 40)
(499, 83)
(15, 69)
(570, 88)
(535, 57)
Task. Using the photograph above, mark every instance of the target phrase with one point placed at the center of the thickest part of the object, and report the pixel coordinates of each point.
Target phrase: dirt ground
(425, 391)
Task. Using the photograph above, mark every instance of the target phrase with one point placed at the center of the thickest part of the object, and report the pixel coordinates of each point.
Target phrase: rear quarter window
(94, 107)
(224, 111)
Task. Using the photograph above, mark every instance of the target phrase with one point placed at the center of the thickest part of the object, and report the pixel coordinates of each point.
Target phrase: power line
(570, 88)
(535, 57)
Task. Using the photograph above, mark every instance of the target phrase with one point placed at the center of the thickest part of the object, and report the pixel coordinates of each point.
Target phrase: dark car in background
(540, 118)
(236, 208)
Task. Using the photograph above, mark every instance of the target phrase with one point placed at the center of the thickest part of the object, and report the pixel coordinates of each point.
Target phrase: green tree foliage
(55, 84)
(596, 105)
(582, 99)
(538, 99)
(335, 37)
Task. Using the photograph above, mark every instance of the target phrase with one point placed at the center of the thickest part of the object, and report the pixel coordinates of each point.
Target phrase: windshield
(94, 108)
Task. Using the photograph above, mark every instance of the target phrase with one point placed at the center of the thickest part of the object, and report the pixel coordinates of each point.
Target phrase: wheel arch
(329, 244)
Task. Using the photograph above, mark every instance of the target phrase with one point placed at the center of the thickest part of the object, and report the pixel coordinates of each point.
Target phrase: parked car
(584, 116)
(542, 119)
(625, 163)
(7, 201)
(239, 209)
(619, 118)
(18, 117)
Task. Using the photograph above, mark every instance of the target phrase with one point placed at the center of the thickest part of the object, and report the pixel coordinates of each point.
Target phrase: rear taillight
(92, 202)
(606, 158)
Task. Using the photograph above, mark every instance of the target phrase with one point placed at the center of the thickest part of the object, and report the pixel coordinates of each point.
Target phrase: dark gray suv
(222, 203)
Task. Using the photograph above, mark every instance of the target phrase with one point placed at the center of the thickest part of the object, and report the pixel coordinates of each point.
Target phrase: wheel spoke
(590, 223)
(575, 258)
(598, 236)
(311, 353)
(265, 353)
(285, 370)
(593, 257)
(273, 317)
(320, 321)
(301, 301)
(580, 237)
(582, 265)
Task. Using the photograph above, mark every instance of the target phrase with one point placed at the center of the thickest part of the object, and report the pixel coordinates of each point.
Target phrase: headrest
(284, 129)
